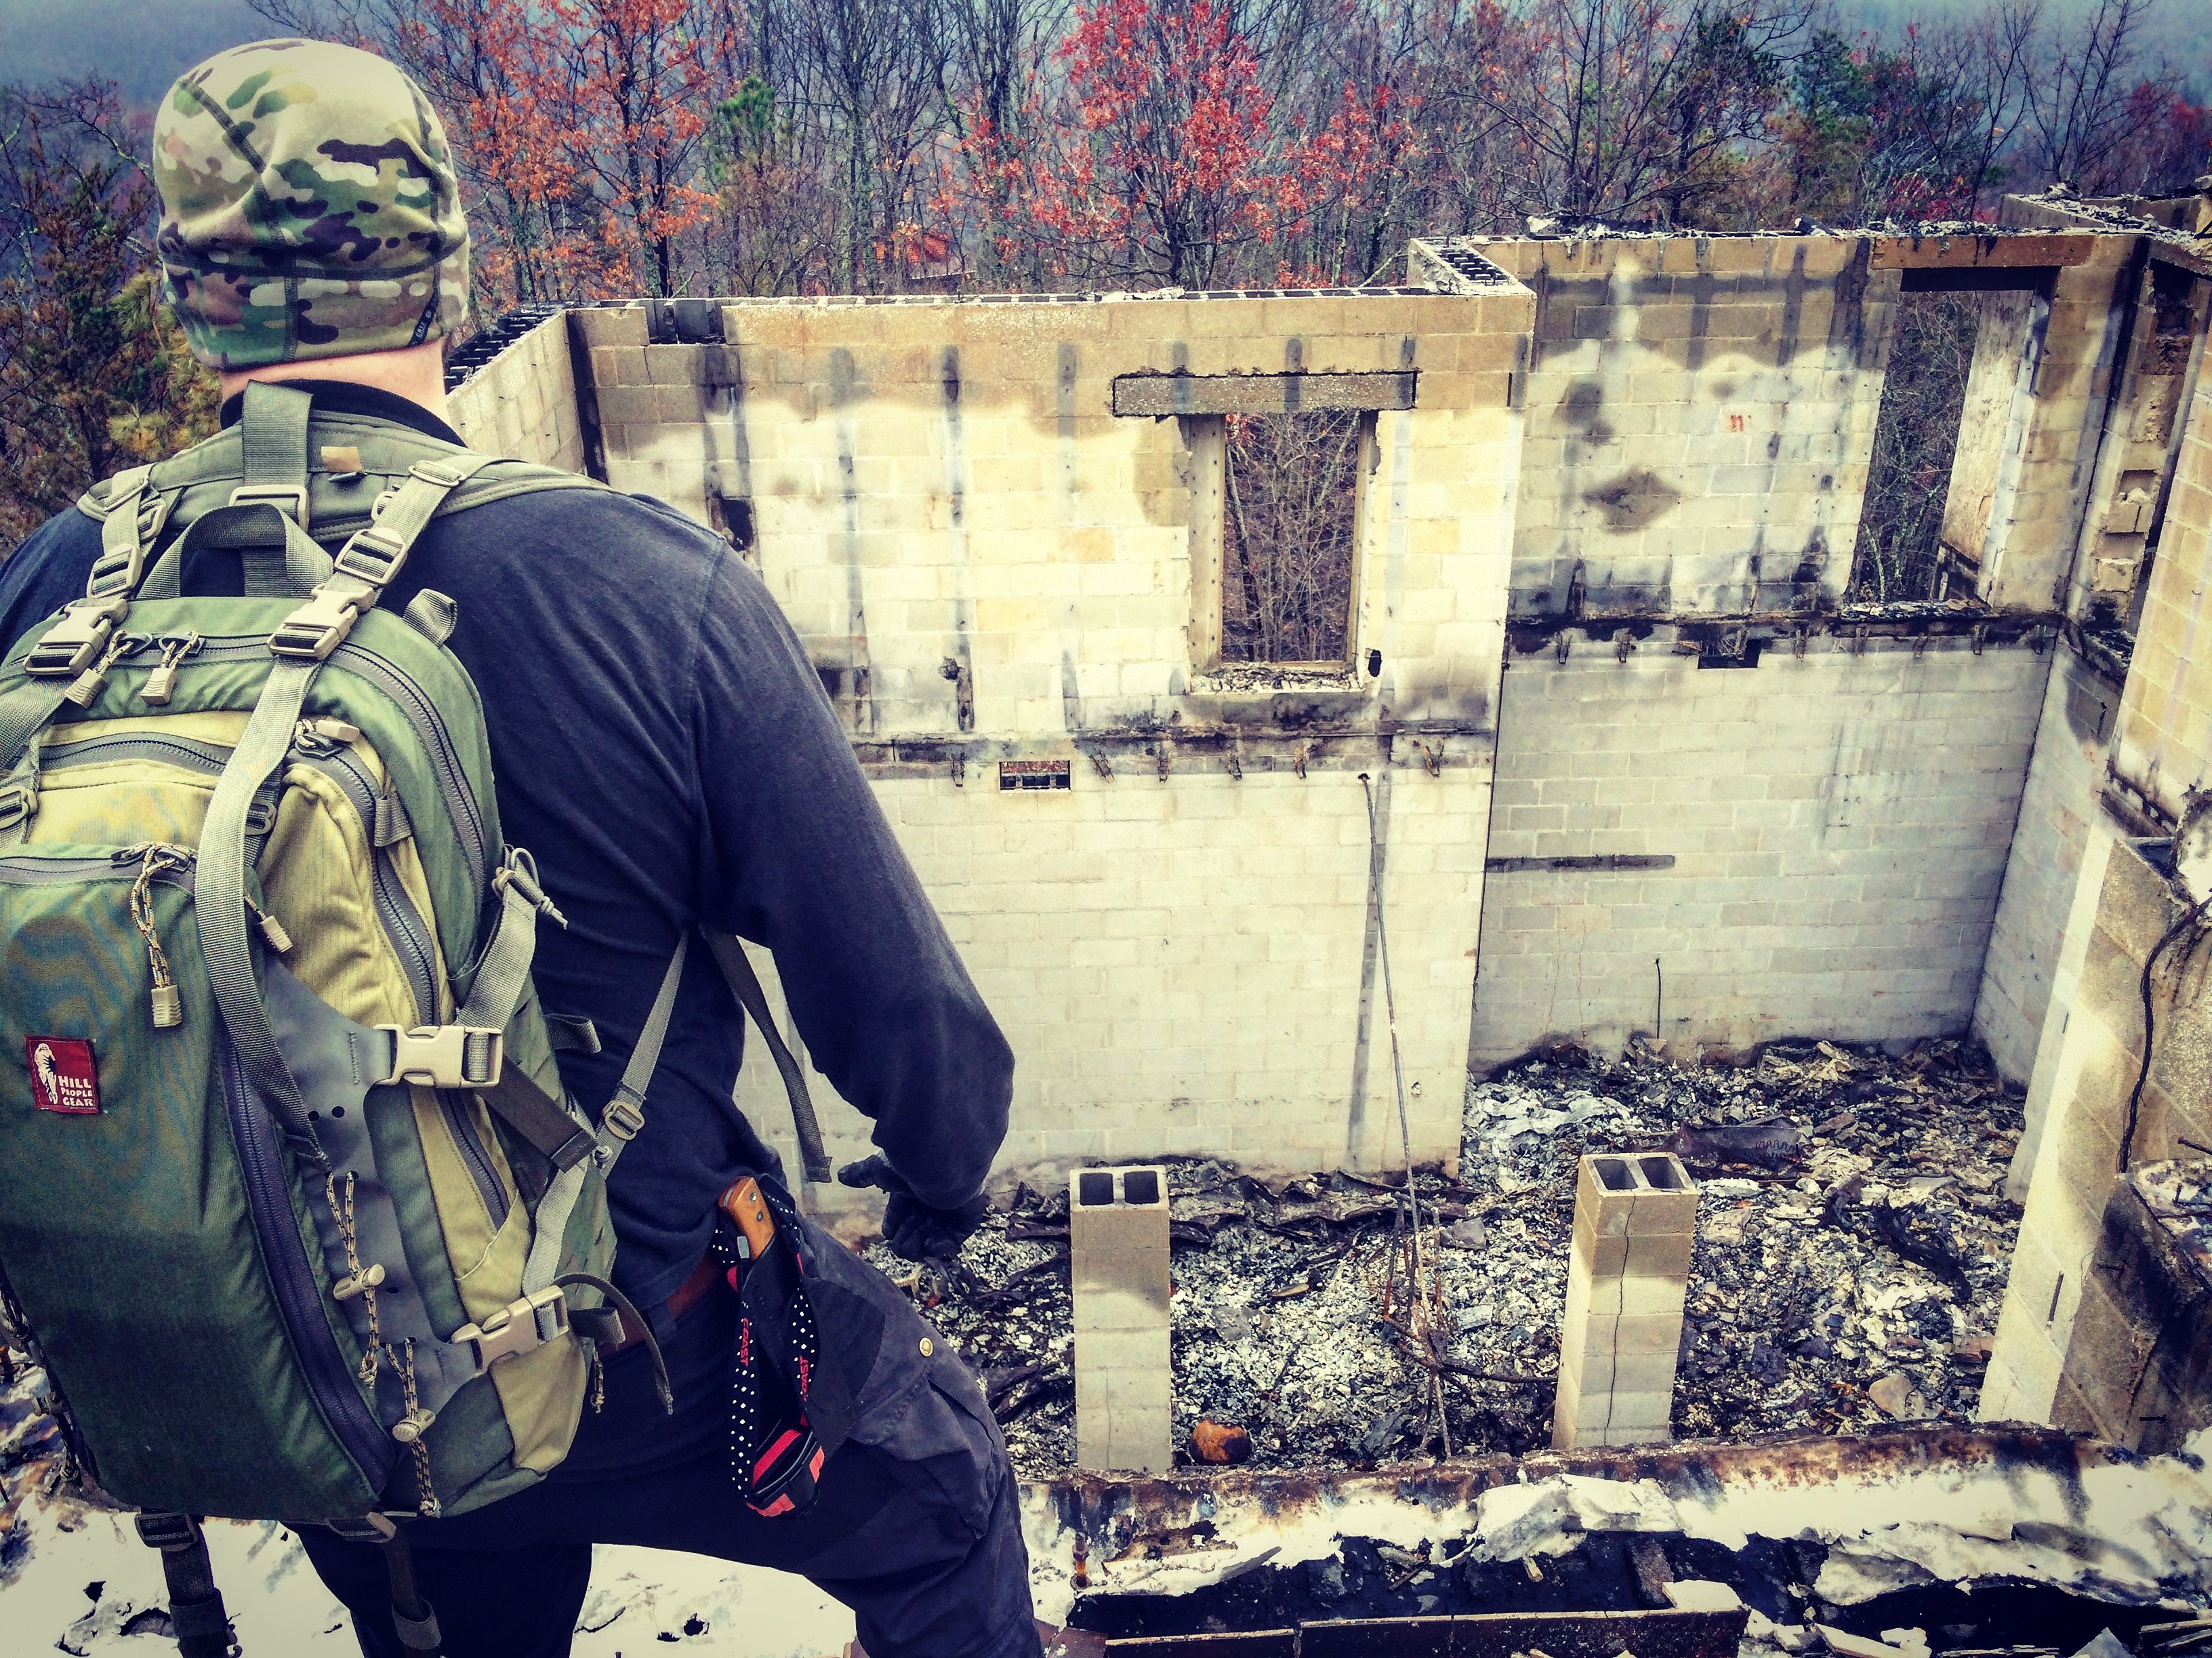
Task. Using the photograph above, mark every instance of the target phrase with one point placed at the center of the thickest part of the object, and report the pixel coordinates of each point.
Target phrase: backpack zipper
(38, 869)
(187, 753)
(421, 714)
(402, 922)
(294, 1279)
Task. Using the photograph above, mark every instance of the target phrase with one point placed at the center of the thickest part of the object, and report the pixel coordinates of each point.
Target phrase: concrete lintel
(2012, 250)
(1216, 394)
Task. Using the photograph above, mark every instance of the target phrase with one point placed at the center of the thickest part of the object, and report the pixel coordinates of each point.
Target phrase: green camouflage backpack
(291, 1199)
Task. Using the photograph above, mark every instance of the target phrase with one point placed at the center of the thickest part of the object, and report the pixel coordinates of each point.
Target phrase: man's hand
(911, 1227)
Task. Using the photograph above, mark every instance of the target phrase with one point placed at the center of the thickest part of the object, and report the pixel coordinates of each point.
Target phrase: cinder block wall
(2040, 504)
(2164, 741)
(1701, 416)
(2095, 1064)
(1837, 825)
(2056, 809)
(523, 403)
(1181, 951)
(2091, 1049)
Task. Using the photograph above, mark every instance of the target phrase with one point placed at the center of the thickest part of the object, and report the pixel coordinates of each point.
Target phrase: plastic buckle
(513, 1328)
(74, 642)
(621, 1120)
(116, 575)
(383, 550)
(166, 1532)
(437, 1056)
(432, 472)
(18, 801)
(317, 627)
(279, 496)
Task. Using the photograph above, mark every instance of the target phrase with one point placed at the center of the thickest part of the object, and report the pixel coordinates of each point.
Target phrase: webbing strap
(24, 713)
(504, 969)
(221, 884)
(538, 1118)
(637, 1075)
(744, 984)
(371, 559)
(196, 1609)
(220, 901)
(618, 1125)
(25, 710)
(272, 445)
(551, 1224)
(122, 535)
(277, 558)
(412, 1618)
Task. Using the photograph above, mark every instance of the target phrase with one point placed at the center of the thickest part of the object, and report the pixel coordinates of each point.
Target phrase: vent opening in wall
(1731, 652)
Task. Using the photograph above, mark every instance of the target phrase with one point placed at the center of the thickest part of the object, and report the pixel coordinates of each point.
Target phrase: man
(664, 747)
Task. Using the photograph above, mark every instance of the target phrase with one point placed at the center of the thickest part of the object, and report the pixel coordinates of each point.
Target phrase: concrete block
(1626, 1274)
(1650, 1413)
(1658, 1255)
(1118, 1270)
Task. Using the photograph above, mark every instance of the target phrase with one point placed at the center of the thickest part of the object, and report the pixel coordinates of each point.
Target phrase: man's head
(308, 207)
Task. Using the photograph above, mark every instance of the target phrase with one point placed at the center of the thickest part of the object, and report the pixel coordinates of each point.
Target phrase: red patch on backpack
(63, 1076)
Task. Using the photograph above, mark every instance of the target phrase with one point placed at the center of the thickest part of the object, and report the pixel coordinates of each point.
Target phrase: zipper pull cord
(87, 689)
(161, 684)
(359, 1280)
(426, 1494)
(168, 1001)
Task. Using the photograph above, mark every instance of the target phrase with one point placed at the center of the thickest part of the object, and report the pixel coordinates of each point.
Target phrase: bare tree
(870, 72)
(1292, 488)
(2077, 95)
(1635, 105)
(1916, 441)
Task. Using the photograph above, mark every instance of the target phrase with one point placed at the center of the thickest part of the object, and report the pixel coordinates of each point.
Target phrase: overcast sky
(146, 44)
(142, 43)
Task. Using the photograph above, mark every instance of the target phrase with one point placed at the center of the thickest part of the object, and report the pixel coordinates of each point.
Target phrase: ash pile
(1853, 1242)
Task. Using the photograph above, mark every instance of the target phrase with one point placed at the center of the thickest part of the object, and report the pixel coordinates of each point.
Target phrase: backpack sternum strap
(370, 559)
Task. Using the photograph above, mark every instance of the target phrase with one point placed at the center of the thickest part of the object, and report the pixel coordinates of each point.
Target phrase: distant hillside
(142, 46)
(2175, 29)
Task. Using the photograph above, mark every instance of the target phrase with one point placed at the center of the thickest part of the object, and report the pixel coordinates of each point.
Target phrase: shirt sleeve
(799, 857)
(45, 573)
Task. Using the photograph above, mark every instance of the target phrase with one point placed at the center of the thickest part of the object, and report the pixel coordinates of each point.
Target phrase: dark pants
(913, 1525)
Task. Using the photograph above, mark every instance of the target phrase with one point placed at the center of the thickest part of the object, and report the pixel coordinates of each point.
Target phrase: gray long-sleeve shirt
(664, 747)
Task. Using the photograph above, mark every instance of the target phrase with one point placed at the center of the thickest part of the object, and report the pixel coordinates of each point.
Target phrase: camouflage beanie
(308, 207)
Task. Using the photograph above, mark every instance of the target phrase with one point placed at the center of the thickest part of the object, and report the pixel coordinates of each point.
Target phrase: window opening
(1901, 524)
(1289, 534)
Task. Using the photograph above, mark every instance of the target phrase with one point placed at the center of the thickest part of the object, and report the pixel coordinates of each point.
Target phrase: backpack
(292, 1199)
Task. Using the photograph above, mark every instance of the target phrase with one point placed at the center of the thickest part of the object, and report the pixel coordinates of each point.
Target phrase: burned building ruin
(1624, 725)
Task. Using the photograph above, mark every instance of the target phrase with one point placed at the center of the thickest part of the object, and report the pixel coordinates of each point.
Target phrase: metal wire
(1398, 1074)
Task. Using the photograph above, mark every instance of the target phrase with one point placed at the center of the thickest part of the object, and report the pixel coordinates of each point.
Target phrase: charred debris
(1853, 1241)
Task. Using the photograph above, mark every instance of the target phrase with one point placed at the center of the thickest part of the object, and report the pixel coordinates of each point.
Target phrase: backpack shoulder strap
(744, 984)
(205, 477)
